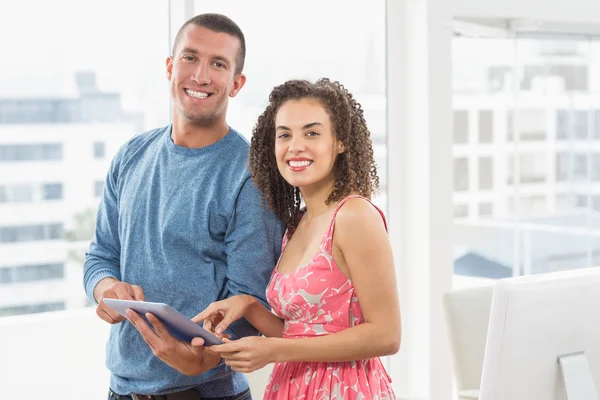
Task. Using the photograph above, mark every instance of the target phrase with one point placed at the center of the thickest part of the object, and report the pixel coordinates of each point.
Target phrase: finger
(230, 356)
(224, 324)
(208, 325)
(227, 347)
(147, 333)
(104, 314)
(197, 341)
(208, 311)
(161, 330)
(123, 291)
(113, 317)
(138, 293)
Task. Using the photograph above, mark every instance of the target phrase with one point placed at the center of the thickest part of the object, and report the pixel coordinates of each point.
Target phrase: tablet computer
(179, 326)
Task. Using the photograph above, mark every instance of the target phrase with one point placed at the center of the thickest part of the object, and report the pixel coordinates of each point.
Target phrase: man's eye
(189, 58)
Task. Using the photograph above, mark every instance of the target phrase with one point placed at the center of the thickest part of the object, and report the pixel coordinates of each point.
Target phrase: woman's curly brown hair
(355, 170)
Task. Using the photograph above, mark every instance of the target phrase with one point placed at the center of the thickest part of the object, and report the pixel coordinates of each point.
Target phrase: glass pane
(544, 112)
(69, 98)
(288, 48)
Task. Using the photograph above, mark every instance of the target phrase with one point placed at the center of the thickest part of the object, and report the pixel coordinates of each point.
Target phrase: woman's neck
(315, 200)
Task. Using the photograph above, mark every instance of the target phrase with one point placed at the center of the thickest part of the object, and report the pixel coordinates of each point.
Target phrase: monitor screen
(534, 320)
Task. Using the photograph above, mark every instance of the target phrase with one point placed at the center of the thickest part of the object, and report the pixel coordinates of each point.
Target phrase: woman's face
(305, 144)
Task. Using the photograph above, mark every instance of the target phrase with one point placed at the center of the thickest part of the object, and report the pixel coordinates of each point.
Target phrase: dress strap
(328, 239)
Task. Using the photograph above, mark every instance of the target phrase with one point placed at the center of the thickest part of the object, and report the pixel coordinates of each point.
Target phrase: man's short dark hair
(217, 23)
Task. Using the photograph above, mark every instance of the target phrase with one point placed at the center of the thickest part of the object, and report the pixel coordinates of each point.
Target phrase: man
(181, 223)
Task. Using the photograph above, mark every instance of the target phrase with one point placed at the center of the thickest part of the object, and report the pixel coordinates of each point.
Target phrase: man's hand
(110, 288)
(186, 358)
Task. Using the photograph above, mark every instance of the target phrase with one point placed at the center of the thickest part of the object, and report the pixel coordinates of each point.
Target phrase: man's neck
(195, 136)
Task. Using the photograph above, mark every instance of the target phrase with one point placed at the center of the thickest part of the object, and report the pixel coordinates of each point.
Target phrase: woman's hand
(247, 354)
(219, 315)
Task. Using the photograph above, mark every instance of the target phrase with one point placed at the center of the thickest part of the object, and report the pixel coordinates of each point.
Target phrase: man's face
(202, 74)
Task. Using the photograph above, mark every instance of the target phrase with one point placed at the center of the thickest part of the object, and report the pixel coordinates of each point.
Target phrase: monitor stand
(577, 375)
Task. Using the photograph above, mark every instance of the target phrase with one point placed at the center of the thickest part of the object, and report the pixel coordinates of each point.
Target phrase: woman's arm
(362, 240)
(264, 320)
(363, 247)
(220, 314)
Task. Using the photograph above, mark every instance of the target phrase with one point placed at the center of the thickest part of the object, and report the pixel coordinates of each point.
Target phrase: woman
(333, 292)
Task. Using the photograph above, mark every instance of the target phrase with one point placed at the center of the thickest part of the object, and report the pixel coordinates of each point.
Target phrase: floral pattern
(318, 299)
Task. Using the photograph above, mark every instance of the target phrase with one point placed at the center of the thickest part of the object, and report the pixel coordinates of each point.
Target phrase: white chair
(467, 314)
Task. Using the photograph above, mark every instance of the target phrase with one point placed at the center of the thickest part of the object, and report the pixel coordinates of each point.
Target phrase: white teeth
(198, 95)
(299, 163)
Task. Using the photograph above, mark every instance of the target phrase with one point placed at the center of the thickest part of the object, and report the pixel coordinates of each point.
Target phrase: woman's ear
(341, 148)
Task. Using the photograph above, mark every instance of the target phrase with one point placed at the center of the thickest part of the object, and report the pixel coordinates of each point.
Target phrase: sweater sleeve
(253, 242)
(102, 258)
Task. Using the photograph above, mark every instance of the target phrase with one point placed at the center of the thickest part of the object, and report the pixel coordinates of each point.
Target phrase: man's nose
(201, 75)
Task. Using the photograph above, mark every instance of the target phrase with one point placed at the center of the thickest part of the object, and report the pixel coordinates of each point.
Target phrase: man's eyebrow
(194, 51)
(189, 50)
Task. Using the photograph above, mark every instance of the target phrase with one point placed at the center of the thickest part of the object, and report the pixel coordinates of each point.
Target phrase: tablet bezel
(178, 325)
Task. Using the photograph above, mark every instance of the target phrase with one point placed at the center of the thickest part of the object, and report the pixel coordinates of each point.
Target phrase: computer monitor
(534, 320)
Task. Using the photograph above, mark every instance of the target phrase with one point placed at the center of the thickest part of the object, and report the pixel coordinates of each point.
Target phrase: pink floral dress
(318, 299)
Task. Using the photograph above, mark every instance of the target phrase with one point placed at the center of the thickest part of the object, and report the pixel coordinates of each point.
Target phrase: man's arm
(101, 276)
(102, 258)
(253, 243)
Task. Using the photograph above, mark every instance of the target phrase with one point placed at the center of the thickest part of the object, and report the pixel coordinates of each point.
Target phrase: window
(486, 209)
(571, 167)
(357, 60)
(37, 152)
(32, 309)
(531, 124)
(461, 210)
(22, 193)
(61, 126)
(32, 273)
(99, 150)
(43, 272)
(486, 126)
(461, 174)
(572, 124)
(461, 126)
(27, 233)
(596, 165)
(541, 95)
(98, 188)
(533, 168)
(486, 173)
(52, 191)
(6, 275)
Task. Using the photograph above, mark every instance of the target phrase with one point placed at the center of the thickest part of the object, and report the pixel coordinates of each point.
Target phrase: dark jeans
(245, 395)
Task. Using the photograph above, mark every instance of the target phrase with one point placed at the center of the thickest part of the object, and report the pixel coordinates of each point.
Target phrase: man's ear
(238, 83)
(169, 64)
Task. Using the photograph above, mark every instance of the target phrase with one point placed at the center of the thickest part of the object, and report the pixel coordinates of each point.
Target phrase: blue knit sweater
(189, 227)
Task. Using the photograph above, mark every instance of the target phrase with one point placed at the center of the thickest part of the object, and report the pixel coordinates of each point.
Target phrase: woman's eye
(283, 136)
(312, 133)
